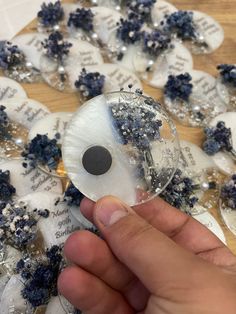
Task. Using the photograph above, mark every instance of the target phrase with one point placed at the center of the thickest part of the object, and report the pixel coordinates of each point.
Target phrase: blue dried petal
(180, 191)
(155, 43)
(141, 8)
(82, 19)
(129, 31)
(51, 14)
(73, 196)
(218, 138)
(10, 55)
(228, 192)
(42, 151)
(136, 125)
(181, 23)
(178, 87)
(6, 189)
(56, 47)
(90, 84)
(41, 277)
(228, 73)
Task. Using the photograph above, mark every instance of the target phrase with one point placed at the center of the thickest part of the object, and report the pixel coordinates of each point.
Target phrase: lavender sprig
(178, 87)
(228, 73)
(90, 84)
(51, 14)
(82, 19)
(228, 192)
(218, 138)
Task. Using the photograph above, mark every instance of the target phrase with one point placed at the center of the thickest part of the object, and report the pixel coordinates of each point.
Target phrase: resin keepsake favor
(130, 151)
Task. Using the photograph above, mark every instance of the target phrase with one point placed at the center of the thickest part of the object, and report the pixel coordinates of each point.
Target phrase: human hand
(153, 259)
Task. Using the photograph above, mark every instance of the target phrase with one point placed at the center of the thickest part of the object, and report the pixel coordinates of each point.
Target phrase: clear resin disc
(223, 160)
(204, 102)
(155, 72)
(211, 34)
(105, 22)
(116, 77)
(101, 161)
(25, 111)
(9, 89)
(31, 45)
(59, 75)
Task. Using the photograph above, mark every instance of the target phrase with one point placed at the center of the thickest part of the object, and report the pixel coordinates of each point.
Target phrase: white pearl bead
(205, 186)
(61, 70)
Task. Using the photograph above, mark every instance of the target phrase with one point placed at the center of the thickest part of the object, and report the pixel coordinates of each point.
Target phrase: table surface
(224, 12)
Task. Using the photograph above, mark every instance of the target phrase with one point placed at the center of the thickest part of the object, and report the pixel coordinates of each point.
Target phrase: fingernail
(110, 211)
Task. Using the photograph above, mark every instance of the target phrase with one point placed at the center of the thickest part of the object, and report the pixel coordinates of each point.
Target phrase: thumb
(153, 257)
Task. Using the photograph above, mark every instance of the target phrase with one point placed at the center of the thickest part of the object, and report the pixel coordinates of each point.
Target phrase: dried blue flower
(56, 47)
(129, 31)
(178, 87)
(42, 275)
(137, 125)
(10, 55)
(180, 192)
(228, 73)
(228, 192)
(155, 43)
(6, 189)
(218, 138)
(4, 123)
(90, 84)
(73, 196)
(141, 8)
(51, 14)
(181, 23)
(42, 151)
(17, 225)
(82, 19)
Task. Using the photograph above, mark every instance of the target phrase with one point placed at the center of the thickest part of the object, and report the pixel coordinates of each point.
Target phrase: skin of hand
(153, 259)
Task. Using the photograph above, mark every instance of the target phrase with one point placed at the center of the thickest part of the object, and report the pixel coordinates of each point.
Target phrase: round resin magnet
(58, 64)
(11, 89)
(25, 111)
(114, 78)
(211, 32)
(31, 45)
(194, 158)
(51, 124)
(30, 180)
(59, 225)
(117, 153)
(105, 22)
(174, 61)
